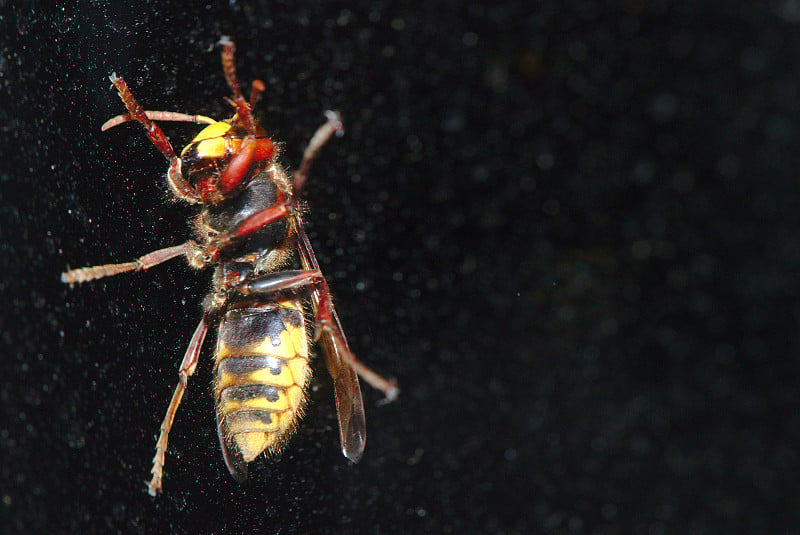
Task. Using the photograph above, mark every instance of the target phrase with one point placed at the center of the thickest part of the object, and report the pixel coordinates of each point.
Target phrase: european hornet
(248, 225)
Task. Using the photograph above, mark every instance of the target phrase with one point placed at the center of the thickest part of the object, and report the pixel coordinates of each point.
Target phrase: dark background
(569, 229)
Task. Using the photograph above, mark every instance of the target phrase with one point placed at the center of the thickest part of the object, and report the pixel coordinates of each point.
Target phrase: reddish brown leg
(329, 324)
(320, 137)
(280, 282)
(179, 185)
(251, 224)
(187, 367)
(229, 68)
(259, 219)
(327, 320)
(147, 261)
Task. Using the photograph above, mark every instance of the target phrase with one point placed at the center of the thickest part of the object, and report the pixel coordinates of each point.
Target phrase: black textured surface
(569, 229)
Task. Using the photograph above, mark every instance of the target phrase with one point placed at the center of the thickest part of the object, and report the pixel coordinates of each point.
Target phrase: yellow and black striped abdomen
(261, 373)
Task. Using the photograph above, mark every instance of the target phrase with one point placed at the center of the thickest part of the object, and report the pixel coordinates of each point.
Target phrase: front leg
(177, 183)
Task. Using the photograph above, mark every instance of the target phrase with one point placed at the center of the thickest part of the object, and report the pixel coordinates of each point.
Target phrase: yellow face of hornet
(210, 143)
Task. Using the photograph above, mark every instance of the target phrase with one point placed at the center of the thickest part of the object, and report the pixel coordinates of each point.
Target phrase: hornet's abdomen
(261, 373)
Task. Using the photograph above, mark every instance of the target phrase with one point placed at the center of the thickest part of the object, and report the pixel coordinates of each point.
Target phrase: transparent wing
(349, 404)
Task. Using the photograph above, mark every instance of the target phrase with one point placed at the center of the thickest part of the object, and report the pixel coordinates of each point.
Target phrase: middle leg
(85, 274)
